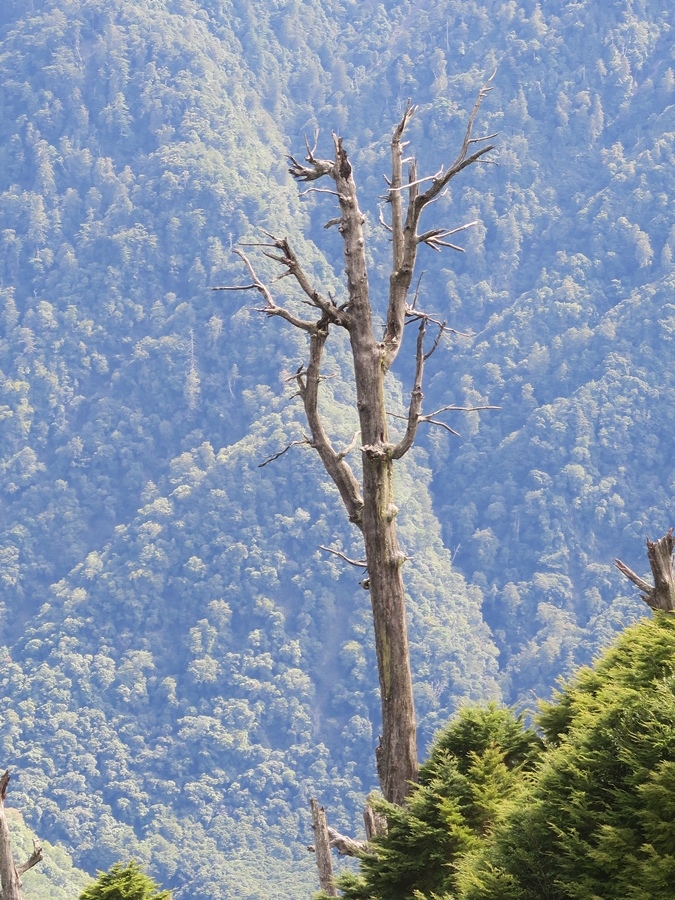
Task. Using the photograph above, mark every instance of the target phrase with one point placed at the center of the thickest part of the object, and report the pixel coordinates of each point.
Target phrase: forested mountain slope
(183, 667)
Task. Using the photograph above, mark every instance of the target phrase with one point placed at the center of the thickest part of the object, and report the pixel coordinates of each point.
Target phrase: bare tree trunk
(660, 596)
(10, 875)
(370, 504)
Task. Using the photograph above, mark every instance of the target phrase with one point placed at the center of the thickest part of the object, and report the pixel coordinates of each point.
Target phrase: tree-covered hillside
(182, 666)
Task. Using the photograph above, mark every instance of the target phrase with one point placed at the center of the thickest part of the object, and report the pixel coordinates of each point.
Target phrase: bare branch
(287, 258)
(234, 287)
(308, 379)
(405, 237)
(640, 583)
(344, 845)
(430, 418)
(414, 315)
(382, 221)
(395, 185)
(429, 421)
(437, 236)
(33, 859)
(408, 113)
(441, 332)
(415, 297)
(359, 563)
(351, 446)
(463, 159)
(461, 409)
(312, 151)
(488, 137)
(404, 187)
(415, 398)
(271, 308)
(434, 239)
(317, 168)
(281, 452)
(338, 469)
(314, 190)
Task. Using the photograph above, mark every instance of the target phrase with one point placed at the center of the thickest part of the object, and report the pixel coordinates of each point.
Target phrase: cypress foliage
(586, 814)
(124, 883)
(476, 762)
(598, 822)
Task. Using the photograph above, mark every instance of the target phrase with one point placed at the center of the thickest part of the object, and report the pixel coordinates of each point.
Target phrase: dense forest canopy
(182, 666)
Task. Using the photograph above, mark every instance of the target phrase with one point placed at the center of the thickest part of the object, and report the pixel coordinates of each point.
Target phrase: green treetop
(124, 883)
(598, 821)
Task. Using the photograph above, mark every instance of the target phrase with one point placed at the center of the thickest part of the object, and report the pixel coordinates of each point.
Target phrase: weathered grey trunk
(397, 755)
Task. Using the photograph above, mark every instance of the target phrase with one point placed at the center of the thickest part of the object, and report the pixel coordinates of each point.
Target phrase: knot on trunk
(381, 451)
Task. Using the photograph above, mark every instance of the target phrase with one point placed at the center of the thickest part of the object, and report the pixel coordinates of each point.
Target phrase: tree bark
(660, 595)
(10, 875)
(397, 760)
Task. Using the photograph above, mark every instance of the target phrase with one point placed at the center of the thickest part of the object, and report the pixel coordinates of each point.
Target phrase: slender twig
(409, 184)
(359, 563)
(281, 452)
(441, 332)
(461, 409)
(383, 223)
(417, 292)
(315, 190)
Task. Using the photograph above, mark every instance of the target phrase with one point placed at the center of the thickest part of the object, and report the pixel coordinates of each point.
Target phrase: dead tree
(10, 875)
(370, 501)
(660, 596)
(321, 847)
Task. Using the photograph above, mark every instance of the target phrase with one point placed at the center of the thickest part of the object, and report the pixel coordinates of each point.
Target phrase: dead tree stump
(660, 595)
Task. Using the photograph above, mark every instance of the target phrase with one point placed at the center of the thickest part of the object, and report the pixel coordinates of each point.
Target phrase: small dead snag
(660, 595)
(10, 875)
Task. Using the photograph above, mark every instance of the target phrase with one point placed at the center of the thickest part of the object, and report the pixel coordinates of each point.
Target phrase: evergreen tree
(599, 819)
(124, 883)
(476, 763)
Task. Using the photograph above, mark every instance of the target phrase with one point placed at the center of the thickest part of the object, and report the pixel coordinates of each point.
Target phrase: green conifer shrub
(124, 883)
(598, 821)
(476, 762)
